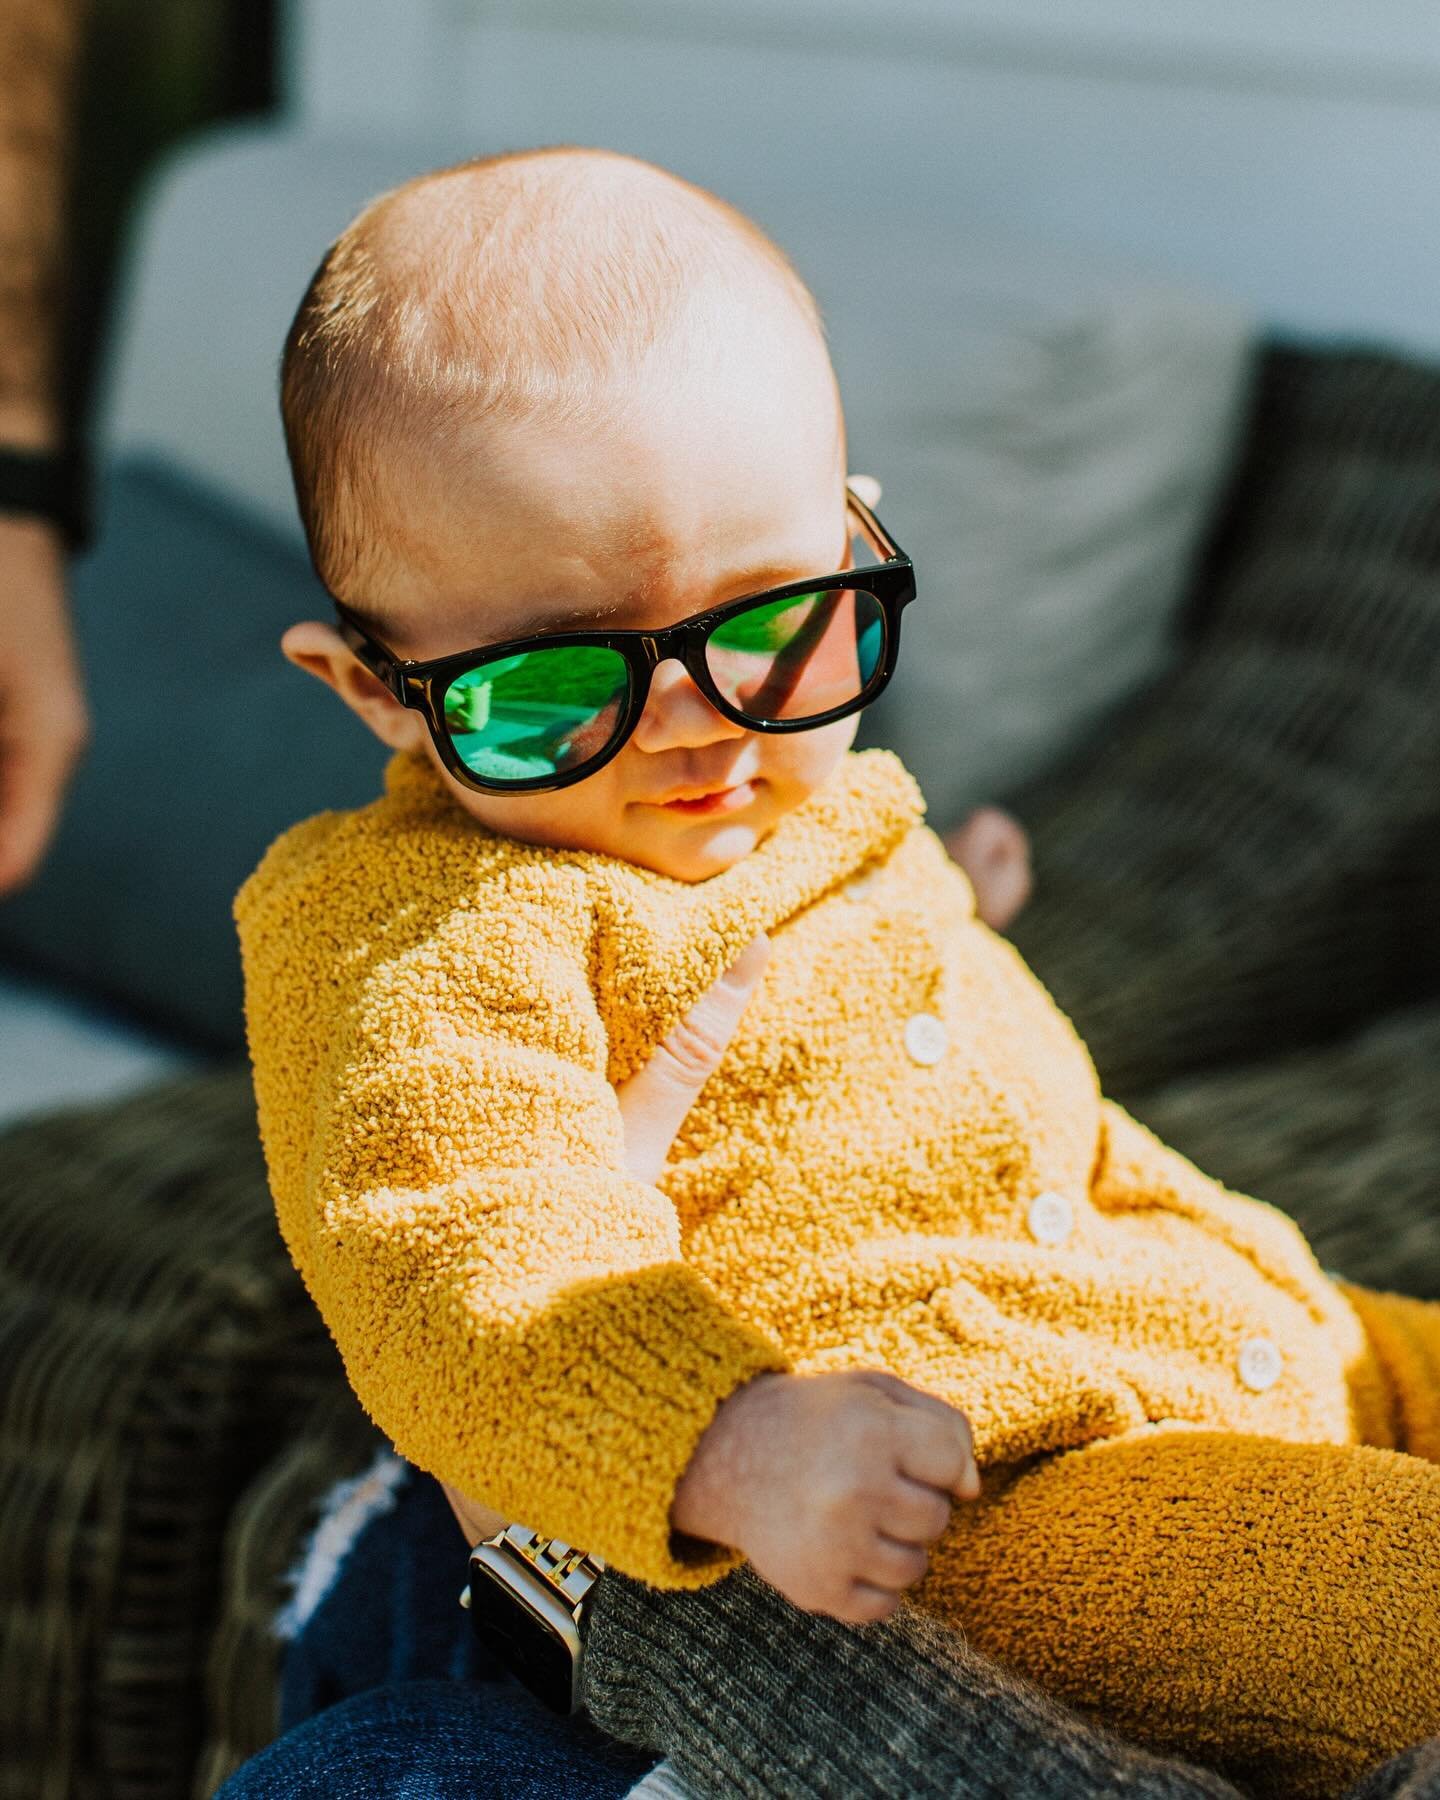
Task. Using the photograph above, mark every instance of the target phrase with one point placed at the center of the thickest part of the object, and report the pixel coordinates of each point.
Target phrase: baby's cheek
(796, 763)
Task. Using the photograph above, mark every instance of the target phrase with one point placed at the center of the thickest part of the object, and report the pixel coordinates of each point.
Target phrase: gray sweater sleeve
(751, 1699)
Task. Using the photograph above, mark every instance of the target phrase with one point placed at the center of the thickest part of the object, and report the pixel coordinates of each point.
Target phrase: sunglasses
(543, 712)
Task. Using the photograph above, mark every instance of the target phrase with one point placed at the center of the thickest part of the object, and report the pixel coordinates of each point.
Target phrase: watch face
(521, 1637)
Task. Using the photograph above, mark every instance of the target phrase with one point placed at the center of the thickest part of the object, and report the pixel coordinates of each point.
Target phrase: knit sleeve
(1404, 1337)
(512, 1307)
(750, 1698)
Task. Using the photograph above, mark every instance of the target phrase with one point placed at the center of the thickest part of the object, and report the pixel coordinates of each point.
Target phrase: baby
(570, 455)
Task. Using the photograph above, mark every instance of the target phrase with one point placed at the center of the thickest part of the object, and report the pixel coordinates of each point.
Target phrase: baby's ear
(320, 651)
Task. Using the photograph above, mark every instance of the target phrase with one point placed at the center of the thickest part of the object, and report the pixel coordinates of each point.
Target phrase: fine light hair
(535, 285)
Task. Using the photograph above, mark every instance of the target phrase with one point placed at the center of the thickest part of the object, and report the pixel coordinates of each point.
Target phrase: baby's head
(566, 391)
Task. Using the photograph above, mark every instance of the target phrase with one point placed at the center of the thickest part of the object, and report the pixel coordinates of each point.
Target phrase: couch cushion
(56, 1050)
(1051, 476)
(207, 744)
(1249, 857)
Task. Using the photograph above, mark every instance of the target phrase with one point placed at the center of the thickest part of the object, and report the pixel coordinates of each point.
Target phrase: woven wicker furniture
(158, 1354)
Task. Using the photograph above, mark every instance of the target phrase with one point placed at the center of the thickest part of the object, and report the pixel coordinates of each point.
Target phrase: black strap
(49, 484)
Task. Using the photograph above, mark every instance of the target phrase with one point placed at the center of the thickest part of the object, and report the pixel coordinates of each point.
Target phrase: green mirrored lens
(538, 714)
(799, 657)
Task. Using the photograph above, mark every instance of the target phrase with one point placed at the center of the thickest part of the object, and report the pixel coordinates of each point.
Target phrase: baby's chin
(696, 850)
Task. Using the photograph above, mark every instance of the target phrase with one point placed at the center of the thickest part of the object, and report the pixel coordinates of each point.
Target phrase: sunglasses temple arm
(371, 656)
(881, 538)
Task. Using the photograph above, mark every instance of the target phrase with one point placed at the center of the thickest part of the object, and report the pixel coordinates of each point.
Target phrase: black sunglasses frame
(422, 686)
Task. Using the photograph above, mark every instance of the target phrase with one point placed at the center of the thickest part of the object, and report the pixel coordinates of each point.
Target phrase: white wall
(370, 59)
(1284, 152)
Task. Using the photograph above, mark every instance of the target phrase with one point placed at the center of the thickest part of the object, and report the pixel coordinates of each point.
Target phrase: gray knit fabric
(1413, 1776)
(753, 1700)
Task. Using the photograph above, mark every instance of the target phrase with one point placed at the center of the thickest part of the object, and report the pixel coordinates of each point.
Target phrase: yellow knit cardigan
(903, 1161)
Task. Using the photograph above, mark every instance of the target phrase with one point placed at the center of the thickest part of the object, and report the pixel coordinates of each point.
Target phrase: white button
(1260, 1364)
(858, 886)
(925, 1038)
(1051, 1218)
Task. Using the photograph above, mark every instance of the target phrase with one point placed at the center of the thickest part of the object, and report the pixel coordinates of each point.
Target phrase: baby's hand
(834, 1486)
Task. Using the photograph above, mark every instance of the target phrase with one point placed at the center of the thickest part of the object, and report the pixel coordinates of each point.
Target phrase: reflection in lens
(538, 714)
(799, 657)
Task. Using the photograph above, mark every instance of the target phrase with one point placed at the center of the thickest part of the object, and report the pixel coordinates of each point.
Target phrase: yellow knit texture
(438, 1017)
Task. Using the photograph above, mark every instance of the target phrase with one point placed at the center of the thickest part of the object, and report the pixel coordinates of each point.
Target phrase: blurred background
(148, 76)
(1046, 242)
(1135, 315)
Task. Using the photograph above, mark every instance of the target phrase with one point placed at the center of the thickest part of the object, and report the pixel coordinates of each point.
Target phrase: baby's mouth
(717, 800)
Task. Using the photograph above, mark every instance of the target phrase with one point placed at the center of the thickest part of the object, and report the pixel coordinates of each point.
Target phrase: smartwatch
(527, 1601)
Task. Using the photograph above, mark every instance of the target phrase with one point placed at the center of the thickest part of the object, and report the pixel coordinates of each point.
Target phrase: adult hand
(655, 1100)
(44, 724)
(994, 852)
(653, 1105)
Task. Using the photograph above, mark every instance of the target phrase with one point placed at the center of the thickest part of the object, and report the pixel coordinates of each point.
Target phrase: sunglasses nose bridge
(683, 643)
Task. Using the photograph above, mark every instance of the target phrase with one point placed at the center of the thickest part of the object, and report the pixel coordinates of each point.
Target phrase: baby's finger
(915, 1513)
(888, 1564)
(866, 1604)
(994, 852)
(936, 1448)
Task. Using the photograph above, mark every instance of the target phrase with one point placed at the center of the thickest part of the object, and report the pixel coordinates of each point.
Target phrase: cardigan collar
(866, 806)
(660, 943)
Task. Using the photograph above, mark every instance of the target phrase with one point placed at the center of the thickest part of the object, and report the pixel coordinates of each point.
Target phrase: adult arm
(43, 722)
(749, 1697)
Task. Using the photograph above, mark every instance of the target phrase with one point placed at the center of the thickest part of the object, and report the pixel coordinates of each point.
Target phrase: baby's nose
(677, 714)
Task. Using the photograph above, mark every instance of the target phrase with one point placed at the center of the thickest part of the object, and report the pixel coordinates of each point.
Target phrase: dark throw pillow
(1245, 859)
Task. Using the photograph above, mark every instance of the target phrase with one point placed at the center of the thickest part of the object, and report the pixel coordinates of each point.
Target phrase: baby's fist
(834, 1486)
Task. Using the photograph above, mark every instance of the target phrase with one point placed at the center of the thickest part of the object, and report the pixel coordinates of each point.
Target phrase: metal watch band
(527, 1599)
(572, 1573)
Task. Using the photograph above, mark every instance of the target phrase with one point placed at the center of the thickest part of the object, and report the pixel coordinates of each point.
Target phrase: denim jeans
(386, 1694)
